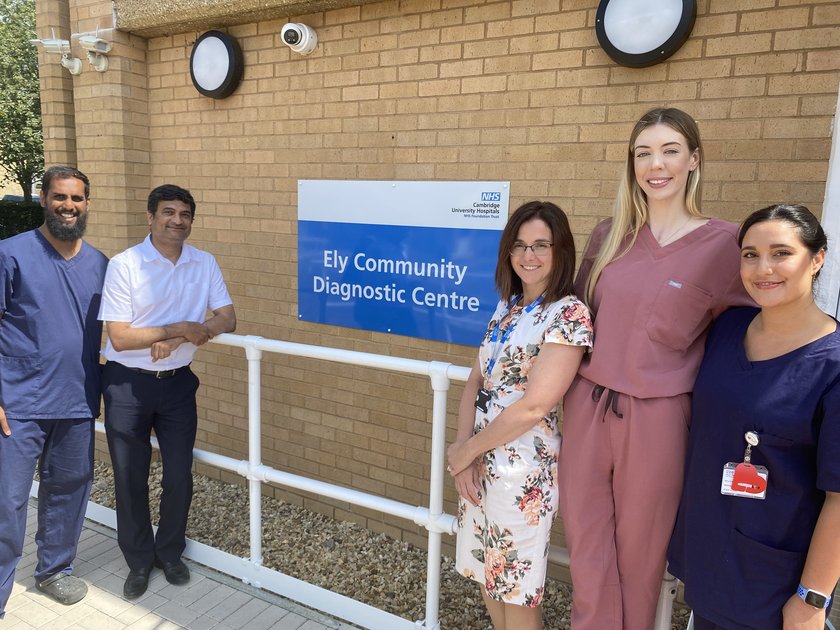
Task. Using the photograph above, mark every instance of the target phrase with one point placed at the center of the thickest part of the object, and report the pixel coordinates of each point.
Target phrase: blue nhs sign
(413, 258)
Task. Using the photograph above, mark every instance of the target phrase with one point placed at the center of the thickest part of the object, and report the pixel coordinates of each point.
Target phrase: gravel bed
(340, 556)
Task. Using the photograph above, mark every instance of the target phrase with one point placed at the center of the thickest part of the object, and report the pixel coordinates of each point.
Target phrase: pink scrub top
(653, 307)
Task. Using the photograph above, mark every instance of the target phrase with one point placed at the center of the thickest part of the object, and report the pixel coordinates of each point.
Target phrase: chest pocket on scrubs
(772, 439)
(681, 312)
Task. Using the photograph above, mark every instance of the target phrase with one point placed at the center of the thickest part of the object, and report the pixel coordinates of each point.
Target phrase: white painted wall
(828, 287)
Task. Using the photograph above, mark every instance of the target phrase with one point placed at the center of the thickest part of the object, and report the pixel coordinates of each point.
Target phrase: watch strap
(813, 598)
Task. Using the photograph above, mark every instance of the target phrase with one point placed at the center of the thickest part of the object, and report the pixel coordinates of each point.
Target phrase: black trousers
(136, 404)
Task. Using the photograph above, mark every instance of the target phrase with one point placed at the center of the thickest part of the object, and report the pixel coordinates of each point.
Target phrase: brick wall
(419, 89)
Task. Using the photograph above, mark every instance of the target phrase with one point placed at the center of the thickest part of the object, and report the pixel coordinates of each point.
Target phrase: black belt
(159, 374)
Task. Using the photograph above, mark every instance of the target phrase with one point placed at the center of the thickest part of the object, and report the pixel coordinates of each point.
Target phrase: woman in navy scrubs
(757, 539)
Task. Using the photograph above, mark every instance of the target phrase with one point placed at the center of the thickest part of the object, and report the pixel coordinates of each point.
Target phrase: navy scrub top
(740, 558)
(49, 334)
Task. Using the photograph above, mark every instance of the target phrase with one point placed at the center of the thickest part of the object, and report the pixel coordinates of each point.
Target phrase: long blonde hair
(630, 210)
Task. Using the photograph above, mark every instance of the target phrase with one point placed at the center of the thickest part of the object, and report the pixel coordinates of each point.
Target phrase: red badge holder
(744, 479)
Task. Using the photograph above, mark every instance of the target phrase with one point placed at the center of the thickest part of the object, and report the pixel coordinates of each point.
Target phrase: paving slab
(210, 601)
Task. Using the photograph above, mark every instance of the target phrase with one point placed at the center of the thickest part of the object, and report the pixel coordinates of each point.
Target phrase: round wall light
(639, 33)
(216, 64)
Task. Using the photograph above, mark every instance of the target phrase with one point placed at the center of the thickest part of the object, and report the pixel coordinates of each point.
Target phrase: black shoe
(136, 583)
(176, 572)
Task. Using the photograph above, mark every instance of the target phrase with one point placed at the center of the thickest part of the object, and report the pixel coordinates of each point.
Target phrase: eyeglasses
(540, 248)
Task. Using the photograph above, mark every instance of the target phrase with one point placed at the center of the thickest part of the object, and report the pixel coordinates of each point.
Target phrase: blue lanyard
(494, 337)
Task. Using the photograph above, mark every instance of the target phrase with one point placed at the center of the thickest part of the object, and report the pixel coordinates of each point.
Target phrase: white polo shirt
(145, 289)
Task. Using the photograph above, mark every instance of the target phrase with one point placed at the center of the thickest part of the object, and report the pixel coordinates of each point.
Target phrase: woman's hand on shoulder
(797, 615)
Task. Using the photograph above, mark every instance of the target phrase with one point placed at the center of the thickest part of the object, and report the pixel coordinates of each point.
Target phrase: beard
(65, 232)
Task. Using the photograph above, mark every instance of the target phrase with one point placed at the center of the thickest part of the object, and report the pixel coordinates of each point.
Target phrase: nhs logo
(491, 196)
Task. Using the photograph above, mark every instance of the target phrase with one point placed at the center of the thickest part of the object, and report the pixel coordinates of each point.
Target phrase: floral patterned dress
(503, 542)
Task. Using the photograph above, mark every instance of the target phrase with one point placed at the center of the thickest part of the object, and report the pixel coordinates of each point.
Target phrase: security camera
(95, 44)
(61, 46)
(299, 37)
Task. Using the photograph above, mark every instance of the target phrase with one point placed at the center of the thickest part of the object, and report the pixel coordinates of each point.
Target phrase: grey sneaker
(63, 588)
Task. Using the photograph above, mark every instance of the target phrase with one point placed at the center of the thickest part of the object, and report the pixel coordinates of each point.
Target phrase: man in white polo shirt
(154, 304)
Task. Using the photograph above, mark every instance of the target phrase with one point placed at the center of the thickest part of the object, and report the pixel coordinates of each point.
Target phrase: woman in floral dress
(504, 459)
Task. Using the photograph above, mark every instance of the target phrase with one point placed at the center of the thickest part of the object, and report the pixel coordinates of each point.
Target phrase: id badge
(482, 399)
(744, 480)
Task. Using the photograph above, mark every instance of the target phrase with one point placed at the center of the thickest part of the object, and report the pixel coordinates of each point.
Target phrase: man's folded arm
(124, 337)
(223, 321)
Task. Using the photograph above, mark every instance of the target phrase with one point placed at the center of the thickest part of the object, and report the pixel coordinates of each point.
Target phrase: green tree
(21, 138)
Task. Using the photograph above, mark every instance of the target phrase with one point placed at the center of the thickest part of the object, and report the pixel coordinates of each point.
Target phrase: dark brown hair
(561, 282)
(799, 217)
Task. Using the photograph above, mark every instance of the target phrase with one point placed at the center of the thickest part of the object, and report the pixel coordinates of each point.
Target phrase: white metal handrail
(432, 517)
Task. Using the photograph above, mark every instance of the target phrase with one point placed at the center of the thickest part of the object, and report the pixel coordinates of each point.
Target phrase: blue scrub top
(49, 334)
(740, 558)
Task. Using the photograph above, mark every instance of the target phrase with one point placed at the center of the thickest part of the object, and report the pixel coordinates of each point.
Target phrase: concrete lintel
(152, 18)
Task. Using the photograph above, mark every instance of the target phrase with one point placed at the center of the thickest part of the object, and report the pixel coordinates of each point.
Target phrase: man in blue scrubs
(50, 289)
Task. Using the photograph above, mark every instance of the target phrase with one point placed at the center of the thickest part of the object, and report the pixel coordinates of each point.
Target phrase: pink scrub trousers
(621, 474)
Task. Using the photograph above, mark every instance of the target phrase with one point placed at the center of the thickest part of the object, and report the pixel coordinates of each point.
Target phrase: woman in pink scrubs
(655, 275)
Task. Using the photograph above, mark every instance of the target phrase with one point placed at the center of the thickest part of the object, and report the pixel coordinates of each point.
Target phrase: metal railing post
(254, 356)
(665, 606)
(440, 387)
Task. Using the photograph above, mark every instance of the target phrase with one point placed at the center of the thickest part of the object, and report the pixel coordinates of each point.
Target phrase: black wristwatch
(813, 598)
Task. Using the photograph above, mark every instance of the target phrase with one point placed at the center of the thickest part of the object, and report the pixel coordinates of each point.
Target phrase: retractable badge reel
(744, 479)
